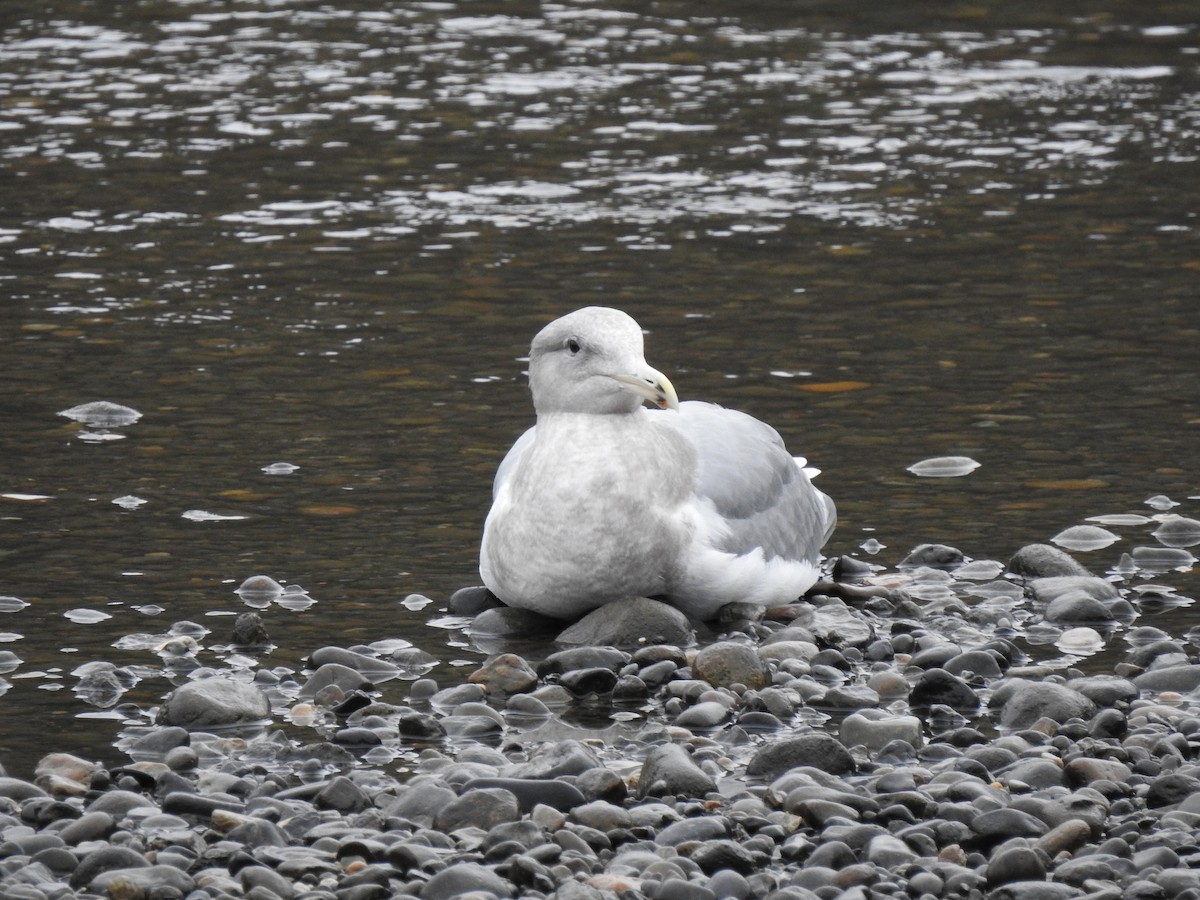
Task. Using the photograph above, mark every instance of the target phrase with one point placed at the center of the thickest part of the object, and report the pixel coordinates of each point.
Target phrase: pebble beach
(883, 737)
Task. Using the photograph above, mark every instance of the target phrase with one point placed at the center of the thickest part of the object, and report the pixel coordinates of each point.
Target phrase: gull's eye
(573, 346)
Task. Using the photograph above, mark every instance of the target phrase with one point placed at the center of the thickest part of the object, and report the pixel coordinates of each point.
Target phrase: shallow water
(324, 236)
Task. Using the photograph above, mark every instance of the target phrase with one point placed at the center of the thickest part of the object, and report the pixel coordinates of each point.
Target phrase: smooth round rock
(465, 878)
(1030, 701)
(478, 808)
(632, 622)
(937, 687)
(1015, 864)
(530, 792)
(815, 749)
(346, 679)
(876, 732)
(1044, 560)
(669, 770)
(1001, 824)
(148, 882)
(215, 703)
(727, 663)
(504, 674)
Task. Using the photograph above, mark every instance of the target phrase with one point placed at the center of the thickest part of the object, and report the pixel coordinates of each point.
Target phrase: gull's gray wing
(757, 487)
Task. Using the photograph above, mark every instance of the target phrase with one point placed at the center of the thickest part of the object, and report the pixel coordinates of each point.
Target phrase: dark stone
(583, 658)
(1029, 701)
(215, 703)
(932, 556)
(471, 601)
(105, 859)
(530, 792)
(1044, 560)
(180, 803)
(582, 682)
(249, 631)
(465, 878)
(343, 795)
(669, 769)
(344, 678)
(816, 749)
(1182, 679)
(1170, 789)
(999, 825)
(1077, 608)
(479, 808)
(630, 623)
(939, 687)
(505, 621)
(712, 856)
(1015, 864)
(984, 663)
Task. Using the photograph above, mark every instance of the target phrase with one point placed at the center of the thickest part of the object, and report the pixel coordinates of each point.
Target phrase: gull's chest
(596, 468)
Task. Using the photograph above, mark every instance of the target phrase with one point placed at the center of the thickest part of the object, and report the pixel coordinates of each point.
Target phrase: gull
(604, 498)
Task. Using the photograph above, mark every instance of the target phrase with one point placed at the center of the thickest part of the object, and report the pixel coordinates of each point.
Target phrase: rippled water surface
(323, 235)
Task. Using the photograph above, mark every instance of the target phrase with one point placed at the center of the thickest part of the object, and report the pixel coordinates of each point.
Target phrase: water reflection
(322, 238)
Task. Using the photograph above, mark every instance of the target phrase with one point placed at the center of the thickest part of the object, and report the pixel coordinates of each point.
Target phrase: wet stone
(564, 758)
(343, 678)
(669, 770)
(727, 663)
(214, 703)
(817, 749)
(1025, 702)
(582, 682)
(504, 621)
(505, 674)
(1077, 608)
(630, 623)
(1044, 560)
(372, 668)
(478, 808)
(145, 882)
(874, 731)
(933, 556)
(470, 601)
(532, 792)
(1002, 824)
(576, 658)
(703, 716)
(937, 687)
(1015, 864)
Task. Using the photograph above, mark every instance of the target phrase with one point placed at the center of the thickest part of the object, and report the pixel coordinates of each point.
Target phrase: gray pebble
(530, 792)
(463, 879)
(214, 703)
(817, 749)
(1044, 560)
(668, 770)
(728, 663)
(481, 808)
(630, 623)
(1024, 702)
(148, 881)
(341, 677)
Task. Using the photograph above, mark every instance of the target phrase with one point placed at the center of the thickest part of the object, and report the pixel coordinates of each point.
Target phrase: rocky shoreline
(885, 739)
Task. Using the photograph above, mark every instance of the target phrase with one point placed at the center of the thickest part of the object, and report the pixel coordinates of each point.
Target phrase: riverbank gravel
(886, 739)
